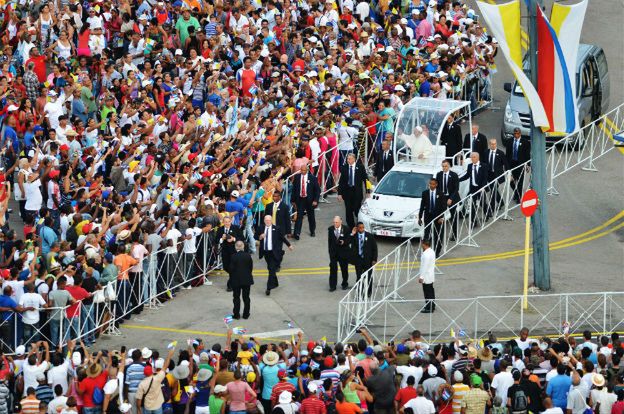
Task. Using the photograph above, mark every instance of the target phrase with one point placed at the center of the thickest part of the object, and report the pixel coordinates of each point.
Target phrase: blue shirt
(425, 89)
(134, 376)
(269, 375)
(48, 238)
(7, 302)
(11, 135)
(558, 389)
(235, 207)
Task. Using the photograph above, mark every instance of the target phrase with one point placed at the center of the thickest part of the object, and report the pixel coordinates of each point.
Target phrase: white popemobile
(392, 208)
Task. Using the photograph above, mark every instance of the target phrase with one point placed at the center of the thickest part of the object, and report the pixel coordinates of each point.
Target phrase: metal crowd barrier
(476, 212)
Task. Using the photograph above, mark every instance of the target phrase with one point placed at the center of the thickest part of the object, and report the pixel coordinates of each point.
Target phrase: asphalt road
(591, 262)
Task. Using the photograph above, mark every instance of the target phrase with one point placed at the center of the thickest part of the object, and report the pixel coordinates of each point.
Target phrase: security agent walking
(448, 184)
(305, 195)
(351, 188)
(432, 205)
(497, 165)
(241, 268)
(476, 172)
(385, 160)
(338, 236)
(427, 275)
(270, 238)
(227, 236)
(518, 152)
(280, 213)
(364, 253)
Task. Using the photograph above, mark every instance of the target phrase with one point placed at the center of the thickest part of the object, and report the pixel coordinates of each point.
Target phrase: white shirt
(268, 238)
(473, 178)
(315, 149)
(190, 244)
(363, 10)
(346, 134)
(407, 371)
(420, 405)
(55, 109)
(135, 50)
(427, 266)
(57, 402)
(501, 382)
(173, 234)
(17, 286)
(31, 300)
(58, 376)
(30, 374)
(554, 410)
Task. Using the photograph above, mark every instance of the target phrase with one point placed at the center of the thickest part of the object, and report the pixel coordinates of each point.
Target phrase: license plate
(385, 233)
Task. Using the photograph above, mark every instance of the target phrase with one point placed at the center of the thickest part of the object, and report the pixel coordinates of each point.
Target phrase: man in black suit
(448, 184)
(477, 174)
(476, 142)
(518, 152)
(432, 204)
(351, 188)
(364, 253)
(306, 198)
(497, 165)
(280, 213)
(385, 160)
(227, 236)
(241, 266)
(451, 137)
(271, 239)
(338, 246)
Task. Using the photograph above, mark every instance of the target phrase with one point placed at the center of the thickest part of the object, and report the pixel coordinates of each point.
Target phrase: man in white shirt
(427, 275)
(190, 246)
(54, 108)
(502, 381)
(31, 368)
(409, 371)
(420, 404)
(30, 318)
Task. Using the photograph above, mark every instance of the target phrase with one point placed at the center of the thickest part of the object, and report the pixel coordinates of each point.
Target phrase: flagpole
(539, 220)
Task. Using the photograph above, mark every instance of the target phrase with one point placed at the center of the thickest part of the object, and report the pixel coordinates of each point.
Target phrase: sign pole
(539, 179)
(527, 242)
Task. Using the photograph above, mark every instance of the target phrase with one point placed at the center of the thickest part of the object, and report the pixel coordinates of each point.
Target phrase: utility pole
(539, 221)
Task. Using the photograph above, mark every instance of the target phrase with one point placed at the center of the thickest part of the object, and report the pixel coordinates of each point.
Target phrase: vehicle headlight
(365, 209)
(412, 216)
(508, 113)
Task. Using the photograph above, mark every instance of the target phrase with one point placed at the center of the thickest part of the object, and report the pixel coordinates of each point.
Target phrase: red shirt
(40, 67)
(278, 389)
(88, 384)
(78, 294)
(312, 405)
(617, 407)
(404, 395)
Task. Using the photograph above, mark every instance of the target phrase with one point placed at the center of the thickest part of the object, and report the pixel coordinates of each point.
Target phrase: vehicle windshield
(403, 184)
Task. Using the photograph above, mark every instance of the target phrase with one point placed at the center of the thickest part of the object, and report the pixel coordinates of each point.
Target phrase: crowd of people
(132, 133)
(518, 376)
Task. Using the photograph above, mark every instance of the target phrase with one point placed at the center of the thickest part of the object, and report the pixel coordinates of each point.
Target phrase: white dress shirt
(268, 242)
(427, 266)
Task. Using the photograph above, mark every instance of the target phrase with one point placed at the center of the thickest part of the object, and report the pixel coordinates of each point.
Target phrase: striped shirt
(278, 389)
(30, 405)
(331, 374)
(459, 392)
(312, 405)
(44, 393)
(211, 29)
(134, 376)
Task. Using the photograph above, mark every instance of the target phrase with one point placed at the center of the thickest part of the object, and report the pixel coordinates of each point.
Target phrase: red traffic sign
(528, 204)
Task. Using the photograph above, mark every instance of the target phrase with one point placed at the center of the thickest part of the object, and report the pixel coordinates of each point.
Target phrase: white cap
(192, 209)
(12, 108)
(235, 193)
(432, 370)
(311, 74)
(442, 74)
(403, 20)
(389, 49)
(285, 397)
(458, 376)
(399, 88)
(20, 350)
(312, 387)
(76, 358)
(433, 3)
(178, 52)
(318, 349)
(159, 364)
(146, 353)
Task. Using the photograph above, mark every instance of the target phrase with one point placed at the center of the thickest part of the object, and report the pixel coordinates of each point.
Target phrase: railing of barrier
(163, 273)
(462, 222)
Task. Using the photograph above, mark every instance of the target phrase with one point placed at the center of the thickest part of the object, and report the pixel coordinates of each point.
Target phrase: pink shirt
(236, 390)
(138, 252)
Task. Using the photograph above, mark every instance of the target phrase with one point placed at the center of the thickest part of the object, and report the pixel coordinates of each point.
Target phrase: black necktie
(492, 156)
(445, 183)
(431, 204)
(351, 180)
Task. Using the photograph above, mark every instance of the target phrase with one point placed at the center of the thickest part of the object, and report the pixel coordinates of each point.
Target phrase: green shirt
(183, 25)
(109, 274)
(87, 97)
(105, 111)
(215, 404)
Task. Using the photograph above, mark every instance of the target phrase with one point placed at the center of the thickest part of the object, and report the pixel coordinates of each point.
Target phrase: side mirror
(507, 87)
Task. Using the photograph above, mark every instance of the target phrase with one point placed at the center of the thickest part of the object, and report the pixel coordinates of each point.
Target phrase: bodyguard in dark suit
(476, 142)
(271, 239)
(497, 165)
(364, 253)
(351, 188)
(227, 236)
(451, 137)
(518, 152)
(477, 175)
(385, 160)
(432, 204)
(306, 198)
(241, 266)
(338, 245)
(448, 184)
(280, 213)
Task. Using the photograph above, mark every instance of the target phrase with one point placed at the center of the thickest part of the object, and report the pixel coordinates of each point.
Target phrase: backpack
(520, 402)
(98, 396)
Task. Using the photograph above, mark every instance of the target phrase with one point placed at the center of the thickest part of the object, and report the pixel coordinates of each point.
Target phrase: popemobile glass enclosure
(419, 127)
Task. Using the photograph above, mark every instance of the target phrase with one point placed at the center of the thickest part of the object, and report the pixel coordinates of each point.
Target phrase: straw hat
(181, 372)
(204, 374)
(484, 354)
(598, 380)
(270, 358)
(94, 370)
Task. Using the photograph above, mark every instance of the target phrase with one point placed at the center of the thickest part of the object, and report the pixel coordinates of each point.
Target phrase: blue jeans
(251, 242)
(30, 334)
(123, 299)
(156, 411)
(88, 322)
(73, 328)
(55, 326)
(93, 410)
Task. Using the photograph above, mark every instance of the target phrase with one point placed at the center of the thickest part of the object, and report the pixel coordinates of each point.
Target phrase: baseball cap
(368, 351)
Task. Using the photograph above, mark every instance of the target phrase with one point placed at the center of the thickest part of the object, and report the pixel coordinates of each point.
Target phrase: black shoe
(296, 237)
(245, 316)
(229, 289)
(453, 238)
(425, 311)
(278, 269)
(268, 292)
(235, 316)
(344, 287)
(312, 234)
(332, 289)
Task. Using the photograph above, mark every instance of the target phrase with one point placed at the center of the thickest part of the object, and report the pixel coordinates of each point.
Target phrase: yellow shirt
(244, 356)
